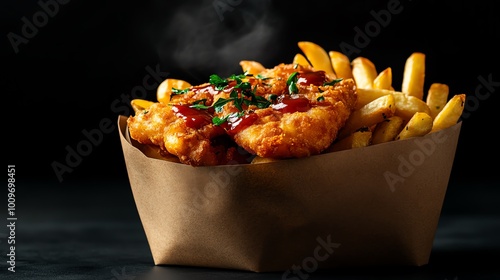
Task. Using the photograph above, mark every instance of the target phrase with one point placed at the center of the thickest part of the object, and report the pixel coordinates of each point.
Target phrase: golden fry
(165, 89)
(366, 95)
(383, 80)
(387, 130)
(251, 67)
(372, 113)
(300, 60)
(451, 113)
(317, 56)
(357, 139)
(140, 105)
(407, 106)
(414, 75)
(419, 125)
(341, 65)
(364, 72)
(437, 96)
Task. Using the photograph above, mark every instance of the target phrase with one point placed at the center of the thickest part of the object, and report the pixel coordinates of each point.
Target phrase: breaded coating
(298, 124)
(289, 111)
(161, 125)
(275, 134)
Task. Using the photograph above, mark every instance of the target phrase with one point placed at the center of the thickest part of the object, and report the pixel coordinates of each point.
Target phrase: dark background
(74, 71)
(87, 59)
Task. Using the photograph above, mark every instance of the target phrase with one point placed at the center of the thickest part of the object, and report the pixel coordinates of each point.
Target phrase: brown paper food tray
(377, 205)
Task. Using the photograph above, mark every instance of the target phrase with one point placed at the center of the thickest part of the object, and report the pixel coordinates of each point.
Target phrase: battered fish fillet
(297, 124)
(197, 144)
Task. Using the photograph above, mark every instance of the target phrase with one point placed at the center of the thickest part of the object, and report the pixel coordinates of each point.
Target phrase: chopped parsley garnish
(332, 82)
(218, 121)
(200, 104)
(292, 83)
(176, 91)
(218, 82)
(241, 94)
(260, 77)
(321, 98)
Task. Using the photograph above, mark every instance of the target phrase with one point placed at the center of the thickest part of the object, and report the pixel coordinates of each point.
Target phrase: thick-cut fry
(165, 89)
(372, 113)
(414, 75)
(357, 139)
(387, 130)
(450, 114)
(140, 105)
(341, 64)
(300, 60)
(251, 67)
(367, 95)
(437, 96)
(419, 125)
(407, 106)
(317, 56)
(384, 79)
(364, 72)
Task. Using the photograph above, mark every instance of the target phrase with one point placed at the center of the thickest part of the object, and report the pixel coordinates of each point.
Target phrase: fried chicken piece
(289, 111)
(182, 131)
(297, 124)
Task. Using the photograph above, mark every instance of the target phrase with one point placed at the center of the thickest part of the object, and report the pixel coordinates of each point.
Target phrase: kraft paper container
(377, 205)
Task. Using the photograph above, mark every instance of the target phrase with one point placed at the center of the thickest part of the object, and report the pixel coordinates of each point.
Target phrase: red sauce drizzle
(206, 88)
(194, 118)
(316, 78)
(291, 105)
(234, 126)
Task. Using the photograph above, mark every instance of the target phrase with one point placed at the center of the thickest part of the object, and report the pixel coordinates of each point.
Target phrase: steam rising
(214, 36)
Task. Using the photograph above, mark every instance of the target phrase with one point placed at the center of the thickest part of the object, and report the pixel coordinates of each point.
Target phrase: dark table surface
(93, 231)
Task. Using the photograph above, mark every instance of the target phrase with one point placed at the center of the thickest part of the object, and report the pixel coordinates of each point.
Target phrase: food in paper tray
(319, 103)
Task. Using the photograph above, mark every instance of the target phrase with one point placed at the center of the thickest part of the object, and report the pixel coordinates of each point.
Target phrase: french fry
(300, 60)
(407, 106)
(414, 75)
(251, 67)
(164, 90)
(384, 79)
(357, 139)
(341, 64)
(387, 130)
(366, 95)
(372, 113)
(317, 56)
(419, 125)
(450, 114)
(364, 72)
(437, 96)
(140, 105)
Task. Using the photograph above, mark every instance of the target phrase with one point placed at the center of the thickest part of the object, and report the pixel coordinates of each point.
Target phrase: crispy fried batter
(159, 125)
(299, 134)
(289, 111)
